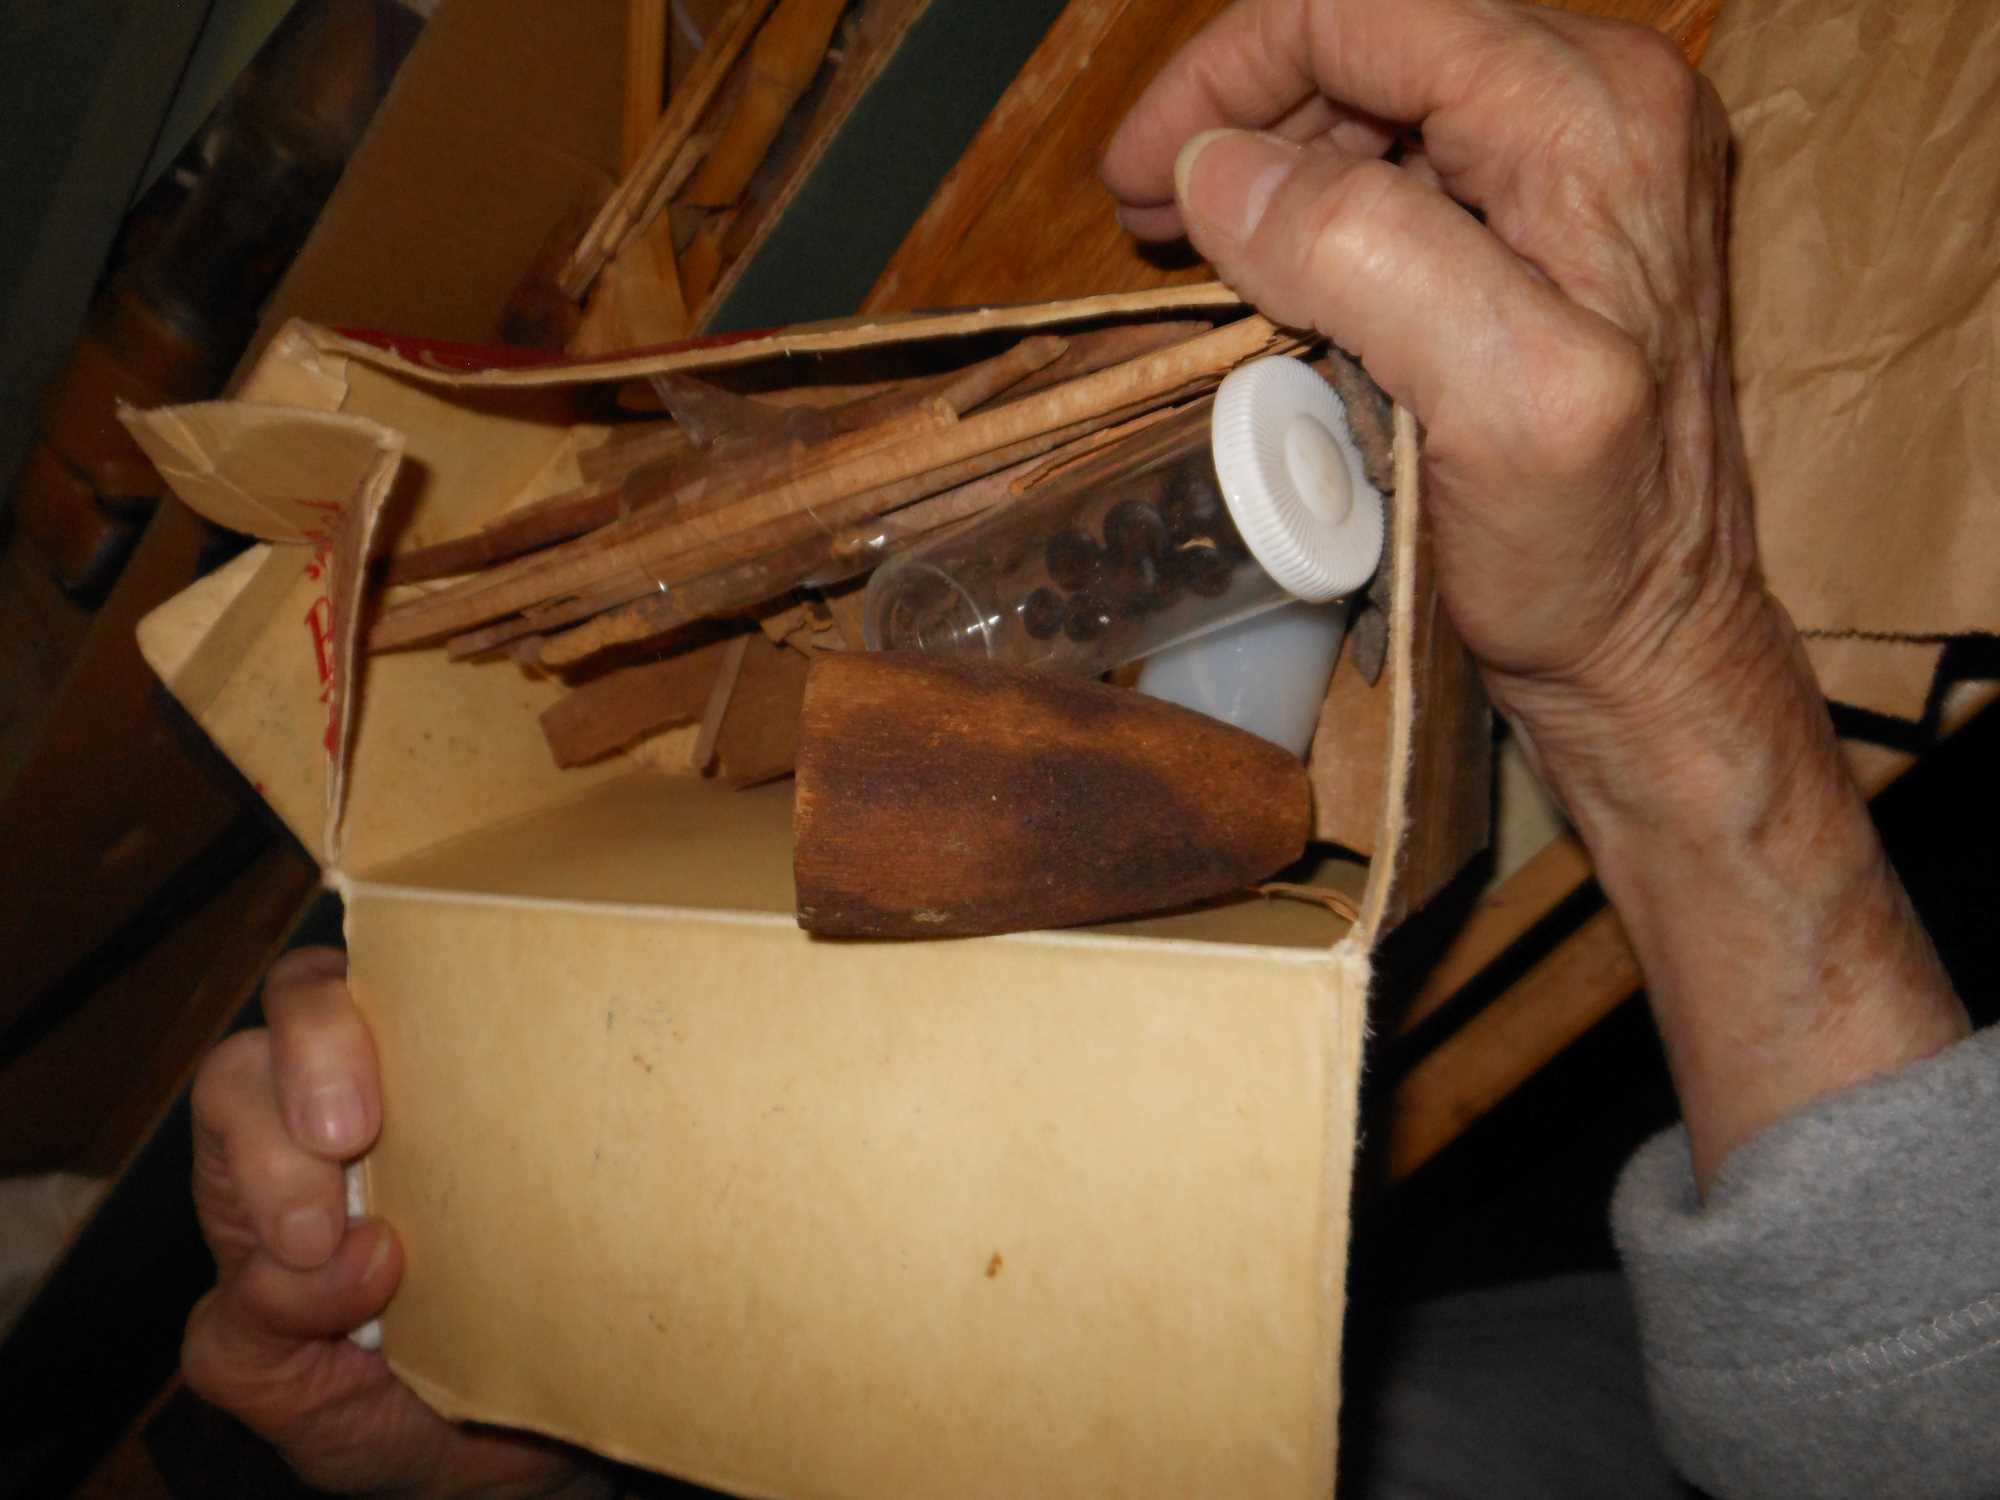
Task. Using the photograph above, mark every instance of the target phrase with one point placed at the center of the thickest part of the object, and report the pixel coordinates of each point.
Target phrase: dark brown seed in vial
(1206, 571)
(1129, 580)
(1042, 613)
(1074, 559)
(1133, 529)
(1168, 587)
(1192, 506)
(1088, 617)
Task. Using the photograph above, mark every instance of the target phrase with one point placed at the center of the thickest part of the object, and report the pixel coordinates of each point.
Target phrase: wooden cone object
(942, 798)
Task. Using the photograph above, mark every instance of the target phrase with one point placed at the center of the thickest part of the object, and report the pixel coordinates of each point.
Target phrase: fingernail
(306, 1237)
(376, 1256)
(332, 1118)
(1226, 178)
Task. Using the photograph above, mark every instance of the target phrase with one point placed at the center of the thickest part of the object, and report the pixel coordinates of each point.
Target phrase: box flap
(312, 480)
(480, 366)
(476, 437)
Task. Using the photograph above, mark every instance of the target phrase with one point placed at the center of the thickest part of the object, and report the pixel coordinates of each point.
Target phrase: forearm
(1782, 959)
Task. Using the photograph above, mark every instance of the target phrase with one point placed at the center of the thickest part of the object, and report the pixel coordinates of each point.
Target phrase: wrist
(1710, 729)
(1782, 959)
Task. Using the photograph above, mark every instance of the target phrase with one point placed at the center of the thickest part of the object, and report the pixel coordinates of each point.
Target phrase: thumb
(1381, 261)
(1231, 193)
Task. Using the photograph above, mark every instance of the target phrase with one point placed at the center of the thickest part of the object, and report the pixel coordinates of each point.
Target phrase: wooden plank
(645, 77)
(41, 631)
(1556, 1002)
(1527, 1026)
(81, 542)
(110, 804)
(1503, 916)
(84, 1097)
(1022, 215)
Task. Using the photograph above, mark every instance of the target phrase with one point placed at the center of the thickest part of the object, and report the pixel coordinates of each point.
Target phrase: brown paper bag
(1865, 276)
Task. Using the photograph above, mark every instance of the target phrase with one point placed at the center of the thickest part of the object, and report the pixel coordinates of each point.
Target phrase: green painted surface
(888, 157)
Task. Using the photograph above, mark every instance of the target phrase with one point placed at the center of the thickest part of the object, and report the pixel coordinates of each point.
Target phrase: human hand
(1565, 349)
(276, 1113)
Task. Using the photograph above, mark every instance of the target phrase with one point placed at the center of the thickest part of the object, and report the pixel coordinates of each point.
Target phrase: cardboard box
(1052, 1214)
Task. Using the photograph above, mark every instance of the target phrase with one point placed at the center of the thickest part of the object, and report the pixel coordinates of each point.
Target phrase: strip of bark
(643, 551)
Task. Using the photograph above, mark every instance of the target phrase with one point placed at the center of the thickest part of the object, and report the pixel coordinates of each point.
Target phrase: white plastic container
(1266, 674)
(1264, 505)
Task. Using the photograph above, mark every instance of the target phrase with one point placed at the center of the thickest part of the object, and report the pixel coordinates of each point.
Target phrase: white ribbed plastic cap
(1292, 478)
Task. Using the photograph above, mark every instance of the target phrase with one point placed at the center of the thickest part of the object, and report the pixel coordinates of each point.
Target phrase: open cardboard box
(1056, 1213)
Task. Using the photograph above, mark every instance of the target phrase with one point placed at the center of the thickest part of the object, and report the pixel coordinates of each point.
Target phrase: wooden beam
(645, 77)
(1504, 915)
(109, 805)
(1588, 976)
(1525, 1028)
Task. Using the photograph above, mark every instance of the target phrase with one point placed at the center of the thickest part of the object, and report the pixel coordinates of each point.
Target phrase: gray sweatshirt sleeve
(1827, 1323)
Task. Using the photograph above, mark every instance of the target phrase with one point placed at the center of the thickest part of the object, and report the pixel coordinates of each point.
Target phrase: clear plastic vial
(1264, 505)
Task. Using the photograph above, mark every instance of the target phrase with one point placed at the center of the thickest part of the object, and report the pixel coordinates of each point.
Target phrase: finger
(1318, 119)
(1446, 318)
(255, 1186)
(330, 1300)
(328, 1085)
(1227, 87)
(1484, 80)
(253, 1330)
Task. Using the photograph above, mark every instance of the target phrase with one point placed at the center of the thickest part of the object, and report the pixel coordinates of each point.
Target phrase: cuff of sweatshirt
(1827, 1322)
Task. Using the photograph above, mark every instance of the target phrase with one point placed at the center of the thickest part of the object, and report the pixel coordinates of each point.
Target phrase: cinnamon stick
(968, 389)
(604, 716)
(731, 34)
(759, 735)
(708, 414)
(645, 72)
(542, 523)
(783, 59)
(817, 562)
(610, 514)
(769, 552)
(646, 444)
(631, 448)
(1097, 349)
(644, 551)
